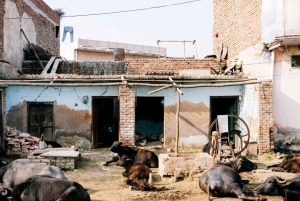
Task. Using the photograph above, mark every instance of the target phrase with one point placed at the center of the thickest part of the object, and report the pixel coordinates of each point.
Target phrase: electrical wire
(114, 12)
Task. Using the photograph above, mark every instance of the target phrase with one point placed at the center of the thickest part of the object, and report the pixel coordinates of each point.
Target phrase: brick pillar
(266, 124)
(127, 115)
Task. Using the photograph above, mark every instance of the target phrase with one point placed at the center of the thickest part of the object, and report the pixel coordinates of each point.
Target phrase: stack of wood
(17, 143)
(42, 53)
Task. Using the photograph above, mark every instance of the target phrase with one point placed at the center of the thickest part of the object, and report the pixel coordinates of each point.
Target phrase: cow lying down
(275, 185)
(134, 170)
(144, 157)
(22, 169)
(223, 180)
(41, 188)
(289, 164)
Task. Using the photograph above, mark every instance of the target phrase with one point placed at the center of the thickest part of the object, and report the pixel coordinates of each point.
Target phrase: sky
(190, 21)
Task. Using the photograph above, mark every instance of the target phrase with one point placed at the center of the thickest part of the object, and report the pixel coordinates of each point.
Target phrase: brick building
(39, 23)
(265, 35)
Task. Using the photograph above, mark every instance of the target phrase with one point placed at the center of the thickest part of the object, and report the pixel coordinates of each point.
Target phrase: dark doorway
(40, 119)
(105, 111)
(223, 105)
(149, 117)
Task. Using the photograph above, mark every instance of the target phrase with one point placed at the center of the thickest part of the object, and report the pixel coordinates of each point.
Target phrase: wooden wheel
(239, 133)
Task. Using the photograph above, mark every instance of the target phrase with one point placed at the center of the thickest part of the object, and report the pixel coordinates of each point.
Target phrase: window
(295, 60)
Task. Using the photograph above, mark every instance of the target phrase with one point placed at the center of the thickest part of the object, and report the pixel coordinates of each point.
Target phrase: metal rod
(177, 123)
(35, 54)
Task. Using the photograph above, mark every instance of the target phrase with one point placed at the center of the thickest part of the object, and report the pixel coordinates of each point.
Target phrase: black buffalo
(275, 185)
(223, 180)
(40, 188)
(22, 169)
(144, 157)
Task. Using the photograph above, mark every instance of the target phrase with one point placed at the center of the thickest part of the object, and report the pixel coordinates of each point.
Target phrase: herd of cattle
(23, 180)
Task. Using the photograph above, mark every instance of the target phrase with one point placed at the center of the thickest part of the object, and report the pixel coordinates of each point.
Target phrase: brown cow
(134, 170)
(144, 157)
(143, 185)
(289, 164)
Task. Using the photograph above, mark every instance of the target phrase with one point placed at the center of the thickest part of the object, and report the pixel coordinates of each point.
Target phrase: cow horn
(4, 192)
(281, 181)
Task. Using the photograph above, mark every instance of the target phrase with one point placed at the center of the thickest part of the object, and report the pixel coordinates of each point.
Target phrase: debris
(103, 168)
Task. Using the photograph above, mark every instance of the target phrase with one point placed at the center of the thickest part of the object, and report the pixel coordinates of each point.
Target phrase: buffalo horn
(4, 192)
(281, 181)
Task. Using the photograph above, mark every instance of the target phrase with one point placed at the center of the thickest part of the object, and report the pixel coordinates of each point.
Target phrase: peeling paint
(74, 140)
(16, 117)
(193, 123)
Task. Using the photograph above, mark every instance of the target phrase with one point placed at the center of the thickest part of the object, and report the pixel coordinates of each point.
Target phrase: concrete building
(266, 36)
(95, 50)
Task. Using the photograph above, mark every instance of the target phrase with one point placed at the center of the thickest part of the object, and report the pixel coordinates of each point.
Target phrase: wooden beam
(162, 88)
(177, 122)
(35, 54)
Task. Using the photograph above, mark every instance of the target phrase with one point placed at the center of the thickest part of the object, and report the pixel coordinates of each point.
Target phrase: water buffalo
(275, 185)
(289, 164)
(41, 188)
(22, 169)
(144, 157)
(223, 180)
(134, 170)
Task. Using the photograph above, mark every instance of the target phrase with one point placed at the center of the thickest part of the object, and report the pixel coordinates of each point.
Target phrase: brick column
(266, 125)
(127, 115)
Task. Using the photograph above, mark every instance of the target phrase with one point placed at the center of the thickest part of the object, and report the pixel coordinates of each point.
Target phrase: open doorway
(105, 121)
(149, 119)
(221, 105)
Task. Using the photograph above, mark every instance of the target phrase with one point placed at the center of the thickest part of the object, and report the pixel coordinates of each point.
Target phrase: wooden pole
(35, 54)
(177, 122)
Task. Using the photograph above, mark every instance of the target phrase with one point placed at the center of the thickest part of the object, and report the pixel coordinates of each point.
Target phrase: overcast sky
(191, 21)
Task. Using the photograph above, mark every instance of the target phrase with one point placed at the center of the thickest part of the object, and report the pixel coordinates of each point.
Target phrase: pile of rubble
(17, 143)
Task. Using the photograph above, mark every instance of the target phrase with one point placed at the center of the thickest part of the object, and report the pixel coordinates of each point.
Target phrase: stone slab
(73, 154)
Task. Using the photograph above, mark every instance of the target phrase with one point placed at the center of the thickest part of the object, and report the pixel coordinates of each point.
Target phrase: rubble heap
(41, 52)
(17, 143)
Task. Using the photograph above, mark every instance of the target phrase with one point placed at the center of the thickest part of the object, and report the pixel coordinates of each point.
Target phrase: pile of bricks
(17, 143)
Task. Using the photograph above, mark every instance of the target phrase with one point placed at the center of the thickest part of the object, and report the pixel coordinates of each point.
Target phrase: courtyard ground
(106, 183)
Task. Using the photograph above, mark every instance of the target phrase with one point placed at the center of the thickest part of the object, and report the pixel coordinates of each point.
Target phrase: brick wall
(46, 32)
(2, 3)
(238, 23)
(142, 66)
(127, 115)
(266, 125)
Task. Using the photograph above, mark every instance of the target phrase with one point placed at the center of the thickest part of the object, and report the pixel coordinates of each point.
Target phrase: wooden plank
(48, 65)
(55, 65)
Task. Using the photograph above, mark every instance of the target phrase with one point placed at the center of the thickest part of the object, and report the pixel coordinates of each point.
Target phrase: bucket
(41, 144)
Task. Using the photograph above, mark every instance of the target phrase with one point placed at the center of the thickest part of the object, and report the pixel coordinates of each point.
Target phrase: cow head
(125, 162)
(273, 185)
(242, 164)
(116, 147)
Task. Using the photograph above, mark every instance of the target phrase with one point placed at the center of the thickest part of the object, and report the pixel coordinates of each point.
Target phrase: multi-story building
(266, 36)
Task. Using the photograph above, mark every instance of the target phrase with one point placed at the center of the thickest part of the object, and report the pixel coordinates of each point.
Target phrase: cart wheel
(243, 136)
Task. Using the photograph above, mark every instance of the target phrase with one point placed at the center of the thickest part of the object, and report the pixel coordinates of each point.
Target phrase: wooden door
(40, 119)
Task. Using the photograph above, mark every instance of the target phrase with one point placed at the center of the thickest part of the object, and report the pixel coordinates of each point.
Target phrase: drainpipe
(272, 64)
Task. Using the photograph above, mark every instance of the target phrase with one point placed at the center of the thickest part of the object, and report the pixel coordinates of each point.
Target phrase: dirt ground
(106, 183)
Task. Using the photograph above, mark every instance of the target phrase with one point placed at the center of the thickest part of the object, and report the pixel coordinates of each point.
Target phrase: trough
(184, 165)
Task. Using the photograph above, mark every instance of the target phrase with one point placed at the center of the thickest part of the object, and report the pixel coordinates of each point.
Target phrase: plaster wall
(14, 41)
(286, 97)
(194, 112)
(72, 117)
